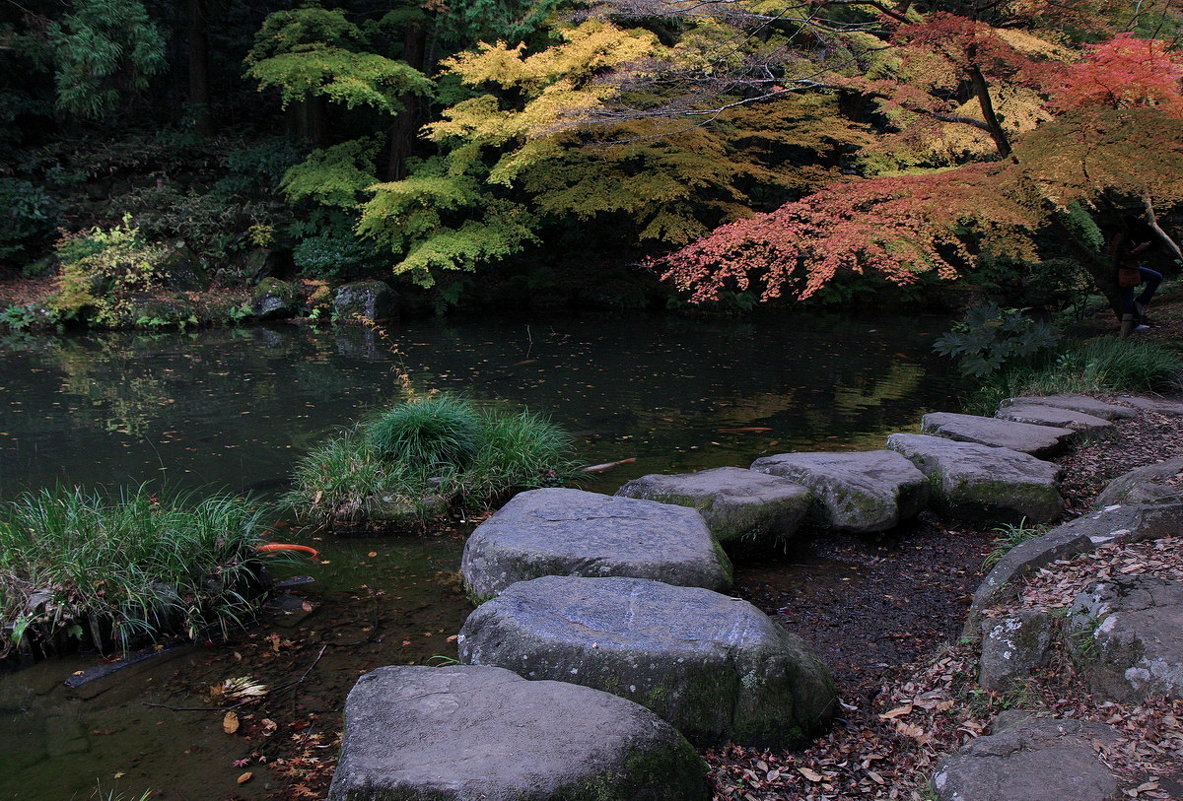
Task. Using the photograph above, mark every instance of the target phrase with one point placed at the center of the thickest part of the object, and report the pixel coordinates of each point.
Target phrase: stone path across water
(601, 590)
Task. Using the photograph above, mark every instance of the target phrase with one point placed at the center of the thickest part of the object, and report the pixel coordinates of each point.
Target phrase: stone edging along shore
(608, 593)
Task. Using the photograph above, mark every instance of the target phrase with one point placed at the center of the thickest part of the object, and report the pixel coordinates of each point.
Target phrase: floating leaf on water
(230, 722)
(246, 777)
(243, 687)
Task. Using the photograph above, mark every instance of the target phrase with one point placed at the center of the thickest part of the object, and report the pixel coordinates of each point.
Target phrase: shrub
(439, 431)
(991, 340)
(27, 216)
(73, 565)
(102, 269)
(520, 451)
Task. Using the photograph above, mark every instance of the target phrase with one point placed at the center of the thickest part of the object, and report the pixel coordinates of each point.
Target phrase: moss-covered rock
(275, 300)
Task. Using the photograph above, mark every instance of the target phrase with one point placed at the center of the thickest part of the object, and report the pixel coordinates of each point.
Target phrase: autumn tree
(1102, 127)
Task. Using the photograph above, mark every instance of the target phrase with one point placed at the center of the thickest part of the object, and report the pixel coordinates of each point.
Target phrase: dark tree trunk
(993, 125)
(199, 92)
(406, 124)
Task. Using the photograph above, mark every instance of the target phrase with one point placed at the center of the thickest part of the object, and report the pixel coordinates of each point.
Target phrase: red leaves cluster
(1124, 72)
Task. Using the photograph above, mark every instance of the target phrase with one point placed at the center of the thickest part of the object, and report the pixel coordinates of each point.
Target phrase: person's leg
(1152, 279)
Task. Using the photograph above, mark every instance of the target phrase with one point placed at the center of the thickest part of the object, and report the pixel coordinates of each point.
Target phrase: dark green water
(234, 409)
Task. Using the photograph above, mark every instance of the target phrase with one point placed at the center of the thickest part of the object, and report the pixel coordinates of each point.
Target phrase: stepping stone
(862, 492)
(982, 483)
(1035, 440)
(1126, 634)
(567, 532)
(1075, 403)
(1155, 483)
(1013, 646)
(1162, 406)
(1033, 760)
(1038, 415)
(736, 503)
(717, 668)
(472, 733)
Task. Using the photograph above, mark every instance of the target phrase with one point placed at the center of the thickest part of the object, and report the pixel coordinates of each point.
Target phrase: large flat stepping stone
(977, 482)
(1170, 408)
(485, 734)
(863, 492)
(1023, 437)
(715, 667)
(567, 532)
(1127, 636)
(1155, 483)
(735, 503)
(1037, 415)
(1035, 760)
(1075, 403)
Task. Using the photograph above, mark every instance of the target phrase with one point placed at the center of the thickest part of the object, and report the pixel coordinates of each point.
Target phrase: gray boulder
(567, 532)
(1084, 534)
(485, 734)
(1126, 635)
(364, 300)
(1155, 483)
(1035, 414)
(1022, 437)
(1076, 403)
(1035, 760)
(1012, 646)
(983, 483)
(715, 667)
(735, 503)
(274, 300)
(862, 492)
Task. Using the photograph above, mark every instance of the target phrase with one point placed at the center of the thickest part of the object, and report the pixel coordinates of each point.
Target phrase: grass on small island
(427, 456)
(75, 566)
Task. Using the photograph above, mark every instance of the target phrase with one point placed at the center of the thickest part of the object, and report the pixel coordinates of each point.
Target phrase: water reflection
(234, 408)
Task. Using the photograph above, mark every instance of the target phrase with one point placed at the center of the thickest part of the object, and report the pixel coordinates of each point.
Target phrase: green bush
(991, 340)
(331, 256)
(421, 458)
(103, 269)
(28, 216)
(439, 431)
(74, 565)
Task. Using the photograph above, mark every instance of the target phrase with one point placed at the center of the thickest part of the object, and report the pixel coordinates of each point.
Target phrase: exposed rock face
(1155, 483)
(486, 734)
(1012, 646)
(861, 492)
(1035, 440)
(274, 300)
(1035, 760)
(1039, 415)
(1126, 635)
(182, 269)
(365, 300)
(735, 503)
(979, 482)
(1076, 403)
(715, 667)
(567, 532)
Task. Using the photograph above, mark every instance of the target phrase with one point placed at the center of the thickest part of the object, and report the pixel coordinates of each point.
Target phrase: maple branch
(1152, 221)
(992, 124)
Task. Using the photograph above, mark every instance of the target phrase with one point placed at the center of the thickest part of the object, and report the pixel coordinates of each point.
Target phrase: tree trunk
(1100, 268)
(993, 124)
(199, 94)
(406, 124)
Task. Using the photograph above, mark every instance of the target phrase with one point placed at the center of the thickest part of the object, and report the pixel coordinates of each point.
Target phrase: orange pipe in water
(283, 546)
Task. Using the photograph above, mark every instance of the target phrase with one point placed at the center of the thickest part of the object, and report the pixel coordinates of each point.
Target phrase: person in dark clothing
(1127, 248)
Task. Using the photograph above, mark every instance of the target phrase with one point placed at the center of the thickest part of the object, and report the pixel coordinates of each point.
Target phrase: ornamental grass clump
(77, 568)
(425, 458)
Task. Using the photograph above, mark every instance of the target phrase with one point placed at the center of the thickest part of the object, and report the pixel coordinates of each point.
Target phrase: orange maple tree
(1109, 129)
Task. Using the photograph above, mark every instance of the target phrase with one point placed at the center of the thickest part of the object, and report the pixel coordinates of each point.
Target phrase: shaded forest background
(483, 152)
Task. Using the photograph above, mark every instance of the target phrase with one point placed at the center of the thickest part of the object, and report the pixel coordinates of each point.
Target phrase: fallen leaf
(230, 722)
(246, 777)
(812, 775)
(897, 712)
(119, 775)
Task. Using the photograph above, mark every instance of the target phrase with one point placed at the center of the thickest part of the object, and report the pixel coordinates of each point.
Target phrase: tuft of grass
(438, 431)
(1102, 365)
(1010, 535)
(350, 479)
(74, 565)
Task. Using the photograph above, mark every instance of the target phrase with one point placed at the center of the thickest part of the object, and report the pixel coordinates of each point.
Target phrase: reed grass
(76, 565)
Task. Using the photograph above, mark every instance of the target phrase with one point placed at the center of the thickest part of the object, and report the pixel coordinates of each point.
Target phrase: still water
(233, 409)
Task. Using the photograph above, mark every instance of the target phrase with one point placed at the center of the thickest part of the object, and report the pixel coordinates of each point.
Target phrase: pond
(234, 408)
